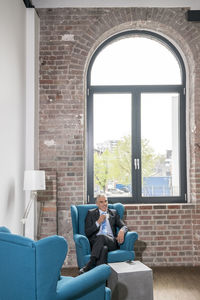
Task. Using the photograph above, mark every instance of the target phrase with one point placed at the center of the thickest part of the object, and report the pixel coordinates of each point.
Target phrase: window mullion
(136, 187)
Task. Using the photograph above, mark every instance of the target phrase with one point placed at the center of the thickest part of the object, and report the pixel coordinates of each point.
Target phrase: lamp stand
(24, 219)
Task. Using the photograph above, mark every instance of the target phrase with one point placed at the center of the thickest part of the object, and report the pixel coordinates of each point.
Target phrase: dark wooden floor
(69, 272)
(170, 283)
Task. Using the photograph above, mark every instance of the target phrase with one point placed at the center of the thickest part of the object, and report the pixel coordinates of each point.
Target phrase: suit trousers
(100, 247)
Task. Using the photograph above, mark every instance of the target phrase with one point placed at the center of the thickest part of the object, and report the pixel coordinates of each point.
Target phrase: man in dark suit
(100, 228)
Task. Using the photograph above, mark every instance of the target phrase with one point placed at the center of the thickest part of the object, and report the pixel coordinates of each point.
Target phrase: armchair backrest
(79, 213)
(4, 229)
(30, 270)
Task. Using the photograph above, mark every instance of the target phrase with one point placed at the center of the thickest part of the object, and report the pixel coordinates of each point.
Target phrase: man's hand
(120, 237)
(101, 219)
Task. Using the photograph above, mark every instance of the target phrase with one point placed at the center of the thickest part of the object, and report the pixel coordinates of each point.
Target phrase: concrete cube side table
(131, 281)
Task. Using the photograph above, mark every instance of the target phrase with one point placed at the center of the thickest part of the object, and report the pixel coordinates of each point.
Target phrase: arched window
(136, 120)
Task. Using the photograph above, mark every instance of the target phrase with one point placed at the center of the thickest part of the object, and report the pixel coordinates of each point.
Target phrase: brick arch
(179, 39)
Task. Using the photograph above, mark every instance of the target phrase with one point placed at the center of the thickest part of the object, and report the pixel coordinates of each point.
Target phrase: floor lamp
(34, 180)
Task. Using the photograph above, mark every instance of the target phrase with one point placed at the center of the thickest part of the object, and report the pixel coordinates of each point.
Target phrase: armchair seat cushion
(115, 256)
(120, 255)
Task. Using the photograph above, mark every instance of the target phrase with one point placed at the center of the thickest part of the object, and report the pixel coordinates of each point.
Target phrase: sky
(136, 61)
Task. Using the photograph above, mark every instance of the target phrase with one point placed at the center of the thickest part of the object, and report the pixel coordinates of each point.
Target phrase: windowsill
(159, 206)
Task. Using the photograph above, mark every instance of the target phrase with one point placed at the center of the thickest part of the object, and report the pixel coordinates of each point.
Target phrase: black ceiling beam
(28, 4)
(193, 15)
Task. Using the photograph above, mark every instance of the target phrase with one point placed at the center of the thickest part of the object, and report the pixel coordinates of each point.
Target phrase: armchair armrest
(129, 241)
(83, 284)
(82, 242)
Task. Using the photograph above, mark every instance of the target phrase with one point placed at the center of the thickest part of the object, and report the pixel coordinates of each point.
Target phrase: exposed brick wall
(196, 234)
(168, 234)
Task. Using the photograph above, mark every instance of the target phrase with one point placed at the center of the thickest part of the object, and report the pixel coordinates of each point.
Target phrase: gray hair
(101, 196)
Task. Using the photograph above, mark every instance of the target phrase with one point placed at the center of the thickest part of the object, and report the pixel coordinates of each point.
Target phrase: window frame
(136, 91)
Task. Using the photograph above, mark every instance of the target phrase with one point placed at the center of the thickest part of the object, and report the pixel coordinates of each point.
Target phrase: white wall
(32, 109)
(18, 109)
(12, 111)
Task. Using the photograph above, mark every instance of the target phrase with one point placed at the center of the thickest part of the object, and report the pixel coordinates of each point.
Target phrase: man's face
(102, 203)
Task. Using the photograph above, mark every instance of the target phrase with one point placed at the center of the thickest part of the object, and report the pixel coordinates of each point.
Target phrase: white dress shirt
(109, 230)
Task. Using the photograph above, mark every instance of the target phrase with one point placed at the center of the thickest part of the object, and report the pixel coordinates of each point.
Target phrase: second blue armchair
(83, 250)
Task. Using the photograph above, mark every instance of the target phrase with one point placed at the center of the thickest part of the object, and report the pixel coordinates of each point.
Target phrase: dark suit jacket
(91, 228)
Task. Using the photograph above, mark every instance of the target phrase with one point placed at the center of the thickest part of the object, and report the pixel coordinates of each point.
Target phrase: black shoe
(85, 269)
(90, 265)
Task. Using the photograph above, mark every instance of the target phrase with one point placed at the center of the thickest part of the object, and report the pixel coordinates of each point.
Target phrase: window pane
(112, 144)
(160, 145)
(133, 61)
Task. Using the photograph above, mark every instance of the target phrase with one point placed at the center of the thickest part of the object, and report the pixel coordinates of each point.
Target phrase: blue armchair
(83, 250)
(31, 271)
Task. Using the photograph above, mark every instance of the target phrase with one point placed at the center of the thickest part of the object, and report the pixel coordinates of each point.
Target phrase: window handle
(138, 163)
(135, 163)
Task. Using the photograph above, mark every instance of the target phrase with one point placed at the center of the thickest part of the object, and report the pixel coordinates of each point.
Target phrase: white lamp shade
(34, 180)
